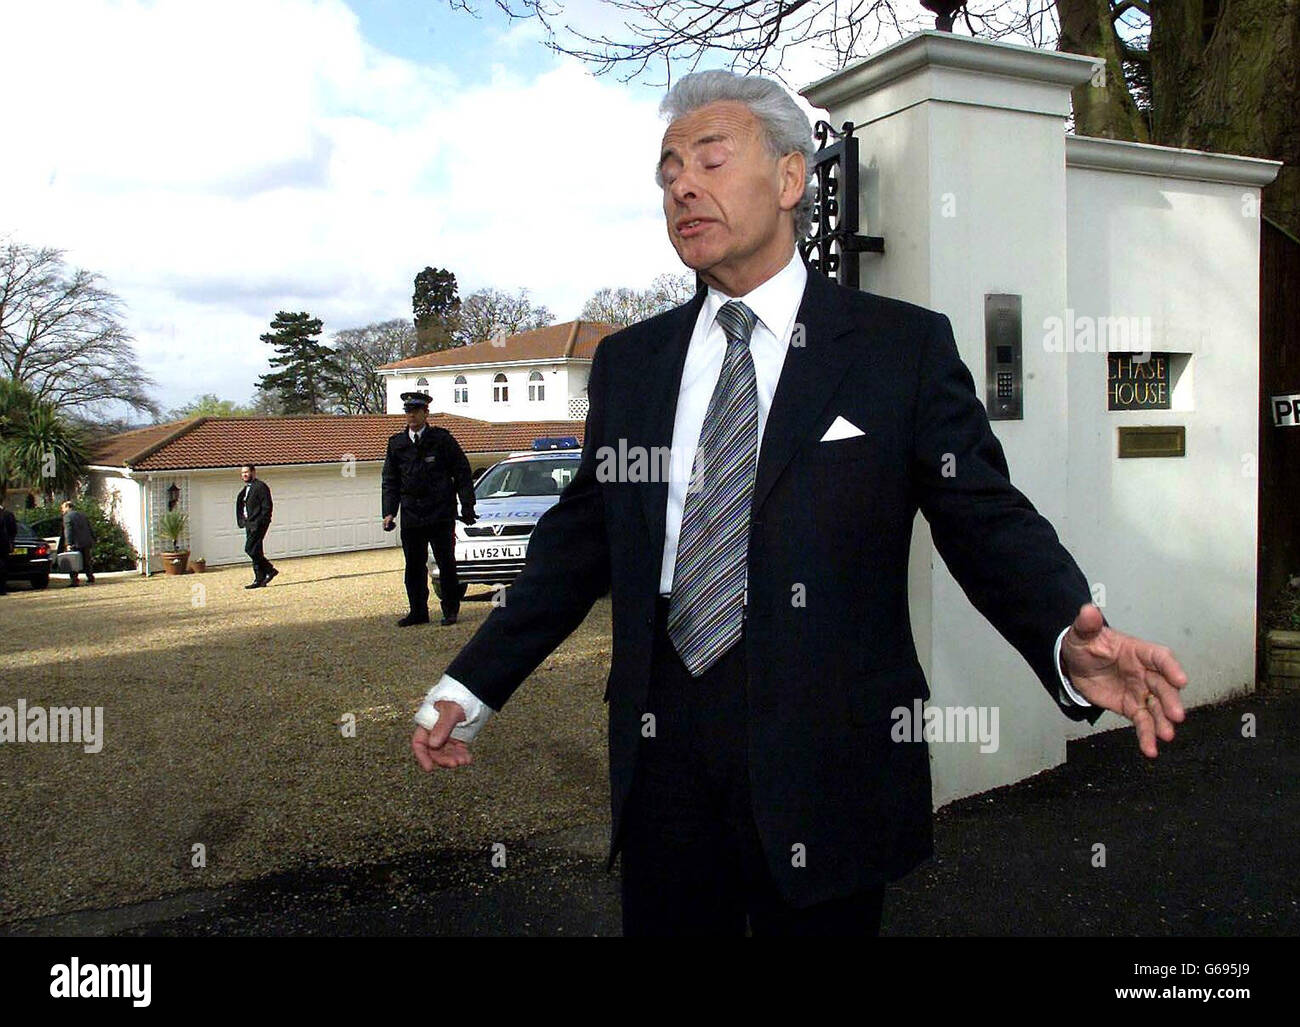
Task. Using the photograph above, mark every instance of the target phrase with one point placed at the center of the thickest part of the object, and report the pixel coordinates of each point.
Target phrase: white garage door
(314, 511)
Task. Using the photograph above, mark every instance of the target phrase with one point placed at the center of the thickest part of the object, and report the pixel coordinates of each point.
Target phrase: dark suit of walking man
(78, 535)
(253, 514)
(758, 786)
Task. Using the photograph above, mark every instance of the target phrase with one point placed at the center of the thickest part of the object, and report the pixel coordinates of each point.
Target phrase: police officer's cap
(414, 400)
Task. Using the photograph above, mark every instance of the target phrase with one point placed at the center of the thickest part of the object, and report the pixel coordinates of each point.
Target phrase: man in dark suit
(78, 536)
(425, 471)
(760, 605)
(253, 514)
(8, 532)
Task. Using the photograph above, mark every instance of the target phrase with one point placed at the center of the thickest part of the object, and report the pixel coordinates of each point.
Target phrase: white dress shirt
(775, 302)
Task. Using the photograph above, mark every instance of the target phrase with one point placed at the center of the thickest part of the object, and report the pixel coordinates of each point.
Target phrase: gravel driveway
(222, 728)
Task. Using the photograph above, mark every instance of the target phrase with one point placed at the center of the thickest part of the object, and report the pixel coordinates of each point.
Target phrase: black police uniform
(424, 479)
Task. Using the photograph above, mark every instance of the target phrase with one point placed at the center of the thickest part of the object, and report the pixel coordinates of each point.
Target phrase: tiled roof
(573, 340)
(232, 441)
(115, 450)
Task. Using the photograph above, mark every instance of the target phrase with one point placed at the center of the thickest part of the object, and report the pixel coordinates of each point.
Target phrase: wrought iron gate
(833, 243)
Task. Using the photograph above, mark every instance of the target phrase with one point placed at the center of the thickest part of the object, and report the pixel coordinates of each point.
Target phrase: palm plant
(37, 446)
(172, 525)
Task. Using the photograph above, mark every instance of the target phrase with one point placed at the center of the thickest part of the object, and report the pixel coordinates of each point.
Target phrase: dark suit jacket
(254, 515)
(77, 532)
(424, 481)
(835, 517)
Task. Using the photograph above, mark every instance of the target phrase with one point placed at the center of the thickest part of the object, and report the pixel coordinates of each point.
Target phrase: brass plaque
(1145, 440)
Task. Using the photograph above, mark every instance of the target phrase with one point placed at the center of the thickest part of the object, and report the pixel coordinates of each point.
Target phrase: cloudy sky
(219, 160)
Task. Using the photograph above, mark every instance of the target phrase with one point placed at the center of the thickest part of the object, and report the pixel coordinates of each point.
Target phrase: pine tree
(309, 378)
(435, 304)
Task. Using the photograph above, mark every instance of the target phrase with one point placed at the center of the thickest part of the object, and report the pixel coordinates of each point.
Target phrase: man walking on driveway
(78, 536)
(253, 514)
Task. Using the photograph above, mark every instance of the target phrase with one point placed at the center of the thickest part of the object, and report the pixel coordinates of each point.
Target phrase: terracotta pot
(200, 566)
(175, 563)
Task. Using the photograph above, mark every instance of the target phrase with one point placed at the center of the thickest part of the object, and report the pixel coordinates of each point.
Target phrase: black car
(30, 558)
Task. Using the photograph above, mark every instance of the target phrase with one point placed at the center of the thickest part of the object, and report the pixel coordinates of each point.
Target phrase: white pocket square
(842, 429)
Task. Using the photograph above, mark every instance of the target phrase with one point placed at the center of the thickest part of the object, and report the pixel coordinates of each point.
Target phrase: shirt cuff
(1074, 696)
(477, 711)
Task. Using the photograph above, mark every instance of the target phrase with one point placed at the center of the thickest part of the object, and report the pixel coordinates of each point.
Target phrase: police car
(511, 496)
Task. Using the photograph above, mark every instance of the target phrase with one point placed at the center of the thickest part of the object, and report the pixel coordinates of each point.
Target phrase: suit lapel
(809, 377)
(664, 359)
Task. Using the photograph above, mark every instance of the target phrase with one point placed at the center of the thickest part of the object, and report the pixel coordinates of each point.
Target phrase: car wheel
(41, 581)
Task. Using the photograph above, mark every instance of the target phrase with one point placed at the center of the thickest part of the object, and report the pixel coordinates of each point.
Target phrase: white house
(535, 375)
(323, 472)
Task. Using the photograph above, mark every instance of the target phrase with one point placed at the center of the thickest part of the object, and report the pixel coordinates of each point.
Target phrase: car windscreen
(527, 478)
(26, 534)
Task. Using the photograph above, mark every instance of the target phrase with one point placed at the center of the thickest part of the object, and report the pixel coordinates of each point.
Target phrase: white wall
(563, 381)
(1171, 540)
(105, 486)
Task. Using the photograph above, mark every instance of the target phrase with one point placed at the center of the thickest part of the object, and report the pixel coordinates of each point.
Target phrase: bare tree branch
(62, 336)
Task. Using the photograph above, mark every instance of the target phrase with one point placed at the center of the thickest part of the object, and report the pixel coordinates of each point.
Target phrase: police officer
(424, 471)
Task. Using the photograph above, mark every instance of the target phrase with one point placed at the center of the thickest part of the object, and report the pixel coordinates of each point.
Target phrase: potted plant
(172, 525)
(200, 565)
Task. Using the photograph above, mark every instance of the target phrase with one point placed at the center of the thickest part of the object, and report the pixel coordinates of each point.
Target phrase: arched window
(460, 390)
(536, 387)
(500, 390)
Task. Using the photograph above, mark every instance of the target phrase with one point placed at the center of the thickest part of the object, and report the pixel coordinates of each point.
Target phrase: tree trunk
(1226, 77)
(1103, 107)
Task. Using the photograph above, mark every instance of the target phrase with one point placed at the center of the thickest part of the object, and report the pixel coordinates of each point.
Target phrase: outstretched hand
(435, 747)
(1135, 678)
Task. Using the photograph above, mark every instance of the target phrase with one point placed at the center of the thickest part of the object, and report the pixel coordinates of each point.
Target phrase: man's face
(727, 200)
(415, 418)
(247, 474)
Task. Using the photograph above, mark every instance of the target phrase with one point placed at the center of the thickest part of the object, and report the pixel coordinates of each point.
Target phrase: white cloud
(218, 160)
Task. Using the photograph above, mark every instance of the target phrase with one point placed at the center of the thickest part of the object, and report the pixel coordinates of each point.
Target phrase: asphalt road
(1200, 842)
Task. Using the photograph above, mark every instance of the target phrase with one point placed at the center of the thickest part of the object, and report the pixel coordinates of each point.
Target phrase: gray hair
(785, 126)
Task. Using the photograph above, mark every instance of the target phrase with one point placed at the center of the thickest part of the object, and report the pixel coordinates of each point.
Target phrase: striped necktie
(707, 609)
